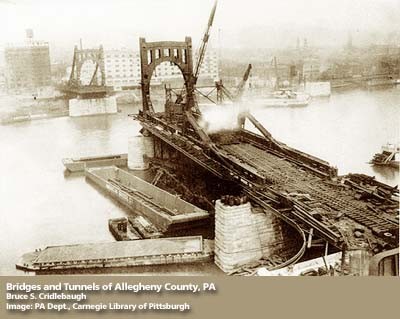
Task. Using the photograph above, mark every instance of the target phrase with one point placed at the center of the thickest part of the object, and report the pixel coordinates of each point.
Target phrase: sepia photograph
(199, 138)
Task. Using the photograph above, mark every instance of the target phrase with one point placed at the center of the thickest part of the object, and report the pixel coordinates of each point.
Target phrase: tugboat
(388, 156)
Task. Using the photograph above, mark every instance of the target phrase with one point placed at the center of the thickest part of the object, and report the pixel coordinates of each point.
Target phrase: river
(39, 206)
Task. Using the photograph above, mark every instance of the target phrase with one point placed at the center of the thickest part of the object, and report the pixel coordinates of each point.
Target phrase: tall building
(122, 67)
(27, 64)
(208, 70)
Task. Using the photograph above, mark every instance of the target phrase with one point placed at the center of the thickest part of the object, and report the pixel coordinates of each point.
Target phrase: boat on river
(79, 164)
(388, 157)
(167, 212)
(284, 97)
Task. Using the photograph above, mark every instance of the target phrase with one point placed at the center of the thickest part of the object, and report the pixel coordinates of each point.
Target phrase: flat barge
(166, 211)
(119, 254)
(80, 164)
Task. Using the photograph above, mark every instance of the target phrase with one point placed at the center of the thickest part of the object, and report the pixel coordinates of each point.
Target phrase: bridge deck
(295, 186)
(317, 196)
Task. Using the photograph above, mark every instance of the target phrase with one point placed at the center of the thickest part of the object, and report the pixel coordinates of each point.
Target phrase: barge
(159, 251)
(79, 164)
(167, 212)
(132, 228)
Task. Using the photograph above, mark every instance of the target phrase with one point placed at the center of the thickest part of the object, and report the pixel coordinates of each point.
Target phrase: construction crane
(200, 56)
(203, 47)
(240, 88)
(223, 91)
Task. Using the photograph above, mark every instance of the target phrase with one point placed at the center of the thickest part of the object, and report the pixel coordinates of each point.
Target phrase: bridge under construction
(349, 212)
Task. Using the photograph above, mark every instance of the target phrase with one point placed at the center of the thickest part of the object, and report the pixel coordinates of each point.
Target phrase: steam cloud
(216, 118)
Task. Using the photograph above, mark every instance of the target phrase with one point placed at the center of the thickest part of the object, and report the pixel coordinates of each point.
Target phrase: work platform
(118, 254)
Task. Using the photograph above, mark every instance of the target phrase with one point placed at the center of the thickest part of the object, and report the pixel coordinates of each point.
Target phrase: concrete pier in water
(84, 107)
(236, 239)
(245, 235)
(139, 148)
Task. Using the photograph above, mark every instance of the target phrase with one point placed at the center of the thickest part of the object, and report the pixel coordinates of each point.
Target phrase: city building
(311, 69)
(122, 68)
(27, 65)
(169, 72)
(209, 70)
(2, 79)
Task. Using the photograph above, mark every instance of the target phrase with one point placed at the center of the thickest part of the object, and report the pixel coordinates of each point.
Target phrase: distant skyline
(238, 24)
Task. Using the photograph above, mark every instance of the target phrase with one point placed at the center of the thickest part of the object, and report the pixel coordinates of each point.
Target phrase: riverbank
(15, 109)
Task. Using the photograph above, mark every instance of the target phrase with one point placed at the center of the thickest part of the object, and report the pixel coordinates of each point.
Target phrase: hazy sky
(260, 23)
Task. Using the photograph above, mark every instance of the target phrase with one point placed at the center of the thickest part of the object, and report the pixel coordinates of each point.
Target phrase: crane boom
(242, 83)
(223, 91)
(203, 47)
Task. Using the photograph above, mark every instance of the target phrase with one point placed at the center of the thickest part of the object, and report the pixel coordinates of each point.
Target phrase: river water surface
(39, 206)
